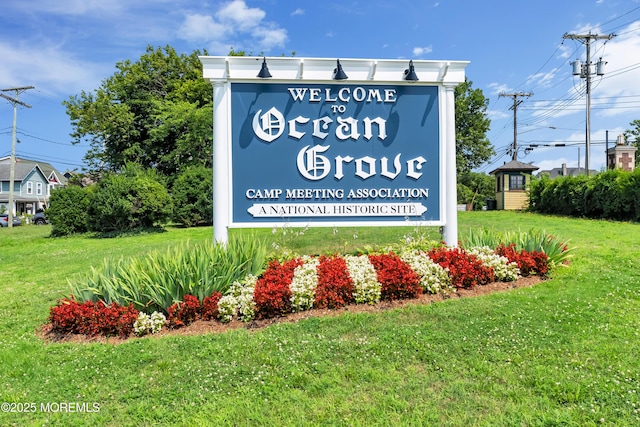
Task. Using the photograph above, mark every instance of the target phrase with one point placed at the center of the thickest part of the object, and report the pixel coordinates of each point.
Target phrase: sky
(64, 47)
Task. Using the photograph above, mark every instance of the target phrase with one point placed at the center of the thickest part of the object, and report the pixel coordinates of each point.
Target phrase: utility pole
(584, 71)
(514, 107)
(12, 159)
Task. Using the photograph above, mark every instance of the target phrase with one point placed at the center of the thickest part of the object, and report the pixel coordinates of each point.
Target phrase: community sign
(302, 148)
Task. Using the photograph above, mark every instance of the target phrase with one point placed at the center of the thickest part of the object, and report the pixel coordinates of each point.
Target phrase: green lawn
(564, 352)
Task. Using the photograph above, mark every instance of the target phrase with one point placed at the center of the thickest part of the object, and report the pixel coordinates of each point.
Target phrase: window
(516, 182)
(498, 183)
(29, 187)
(39, 188)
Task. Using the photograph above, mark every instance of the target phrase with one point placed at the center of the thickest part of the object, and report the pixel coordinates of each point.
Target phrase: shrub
(397, 278)
(466, 270)
(191, 194)
(127, 201)
(335, 287)
(67, 210)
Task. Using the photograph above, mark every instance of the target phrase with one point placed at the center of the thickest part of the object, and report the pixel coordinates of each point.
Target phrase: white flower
(503, 270)
(433, 278)
(146, 324)
(238, 300)
(366, 288)
(304, 284)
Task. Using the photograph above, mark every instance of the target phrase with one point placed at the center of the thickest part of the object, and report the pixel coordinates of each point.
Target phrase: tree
(472, 124)
(633, 138)
(474, 188)
(156, 112)
(192, 196)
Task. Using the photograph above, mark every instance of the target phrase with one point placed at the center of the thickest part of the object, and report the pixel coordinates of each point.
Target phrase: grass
(564, 352)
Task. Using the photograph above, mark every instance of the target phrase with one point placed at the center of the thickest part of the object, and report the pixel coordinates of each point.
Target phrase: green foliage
(67, 210)
(156, 112)
(472, 124)
(192, 197)
(633, 136)
(556, 249)
(160, 279)
(127, 201)
(475, 188)
(613, 194)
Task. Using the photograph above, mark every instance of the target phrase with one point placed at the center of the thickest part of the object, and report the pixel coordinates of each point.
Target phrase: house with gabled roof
(32, 184)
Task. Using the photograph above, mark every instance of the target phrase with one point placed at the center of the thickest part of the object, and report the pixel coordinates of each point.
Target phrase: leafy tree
(156, 112)
(633, 138)
(67, 210)
(475, 188)
(130, 200)
(472, 124)
(192, 196)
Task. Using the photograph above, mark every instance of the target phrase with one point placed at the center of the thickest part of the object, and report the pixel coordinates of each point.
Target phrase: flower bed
(303, 283)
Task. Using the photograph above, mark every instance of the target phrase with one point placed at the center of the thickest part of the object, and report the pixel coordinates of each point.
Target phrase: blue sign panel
(314, 153)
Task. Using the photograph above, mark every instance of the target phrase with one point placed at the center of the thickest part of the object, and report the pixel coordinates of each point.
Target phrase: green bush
(127, 201)
(613, 194)
(160, 279)
(67, 210)
(192, 195)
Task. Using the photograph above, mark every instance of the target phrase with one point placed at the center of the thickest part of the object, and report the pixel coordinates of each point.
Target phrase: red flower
(209, 308)
(271, 294)
(184, 313)
(466, 270)
(397, 278)
(335, 287)
(89, 318)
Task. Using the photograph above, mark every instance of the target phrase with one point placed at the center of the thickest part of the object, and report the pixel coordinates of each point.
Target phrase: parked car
(4, 220)
(39, 218)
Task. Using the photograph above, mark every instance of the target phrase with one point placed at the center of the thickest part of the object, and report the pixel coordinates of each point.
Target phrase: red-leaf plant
(335, 286)
(534, 262)
(465, 269)
(183, 313)
(271, 294)
(397, 278)
(89, 318)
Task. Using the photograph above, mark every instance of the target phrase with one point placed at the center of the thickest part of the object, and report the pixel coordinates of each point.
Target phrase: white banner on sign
(280, 210)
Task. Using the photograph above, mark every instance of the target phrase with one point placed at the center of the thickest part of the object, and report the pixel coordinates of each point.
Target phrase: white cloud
(234, 24)
(48, 68)
(201, 27)
(497, 88)
(420, 51)
(297, 12)
(238, 14)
